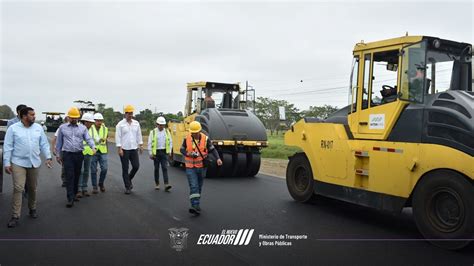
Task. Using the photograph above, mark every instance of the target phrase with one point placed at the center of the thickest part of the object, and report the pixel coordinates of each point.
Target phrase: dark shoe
(198, 208)
(86, 194)
(167, 187)
(13, 222)
(78, 195)
(70, 204)
(102, 188)
(127, 191)
(131, 186)
(33, 214)
(95, 190)
(195, 210)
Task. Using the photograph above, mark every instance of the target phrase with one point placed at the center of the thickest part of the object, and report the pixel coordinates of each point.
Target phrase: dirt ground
(274, 167)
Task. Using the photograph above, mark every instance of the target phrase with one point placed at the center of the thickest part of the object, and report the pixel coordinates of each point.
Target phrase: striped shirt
(70, 138)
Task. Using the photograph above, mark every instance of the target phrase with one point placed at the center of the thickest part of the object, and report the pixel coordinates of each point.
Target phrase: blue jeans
(195, 180)
(84, 178)
(102, 159)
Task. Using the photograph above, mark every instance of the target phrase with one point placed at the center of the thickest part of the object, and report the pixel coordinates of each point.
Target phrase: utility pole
(249, 89)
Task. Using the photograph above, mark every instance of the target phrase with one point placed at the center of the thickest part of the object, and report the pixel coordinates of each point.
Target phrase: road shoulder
(274, 167)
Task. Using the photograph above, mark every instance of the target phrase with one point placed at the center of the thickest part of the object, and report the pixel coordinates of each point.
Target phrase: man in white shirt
(16, 119)
(159, 146)
(128, 138)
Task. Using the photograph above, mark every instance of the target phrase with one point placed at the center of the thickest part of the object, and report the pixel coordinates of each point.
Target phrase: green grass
(277, 149)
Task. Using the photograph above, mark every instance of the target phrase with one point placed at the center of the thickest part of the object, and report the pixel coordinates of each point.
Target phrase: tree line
(6, 112)
(267, 110)
(146, 117)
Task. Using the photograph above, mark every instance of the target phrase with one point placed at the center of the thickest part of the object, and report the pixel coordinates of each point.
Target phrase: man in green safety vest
(88, 120)
(99, 134)
(160, 146)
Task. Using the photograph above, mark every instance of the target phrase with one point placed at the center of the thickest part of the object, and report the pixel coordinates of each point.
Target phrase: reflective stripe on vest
(154, 143)
(101, 146)
(87, 149)
(191, 162)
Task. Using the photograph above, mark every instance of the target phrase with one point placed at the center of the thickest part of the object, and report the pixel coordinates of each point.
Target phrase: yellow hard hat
(129, 109)
(73, 112)
(194, 127)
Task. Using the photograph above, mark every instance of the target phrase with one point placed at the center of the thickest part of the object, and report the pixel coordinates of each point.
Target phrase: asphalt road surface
(112, 228)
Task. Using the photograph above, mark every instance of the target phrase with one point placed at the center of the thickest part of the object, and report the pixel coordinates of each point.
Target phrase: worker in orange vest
(196, 148)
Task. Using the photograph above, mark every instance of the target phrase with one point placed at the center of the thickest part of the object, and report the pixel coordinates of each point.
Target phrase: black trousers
(161, 158)
(72, 162)
(63, 174)
(132, 156)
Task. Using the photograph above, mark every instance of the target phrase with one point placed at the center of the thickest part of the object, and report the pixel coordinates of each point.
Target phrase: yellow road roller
(406, 139)
(223, 109)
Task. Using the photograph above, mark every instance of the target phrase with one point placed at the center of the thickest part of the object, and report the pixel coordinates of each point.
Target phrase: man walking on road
(195, 149)
(53, 144)
(159, 147)
(17, 118)
(99, 134)
(69, 147)
(128, 138)
(23, 144)
(11, 122)
(87, 120)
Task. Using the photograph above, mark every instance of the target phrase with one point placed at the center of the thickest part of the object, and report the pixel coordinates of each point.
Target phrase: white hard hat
(88, 117)
(161, 121)
(98, 116)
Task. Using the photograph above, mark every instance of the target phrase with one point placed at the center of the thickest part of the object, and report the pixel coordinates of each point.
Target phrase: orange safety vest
(191, 162)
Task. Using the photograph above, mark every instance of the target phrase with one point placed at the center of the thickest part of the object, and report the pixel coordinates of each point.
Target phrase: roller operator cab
(224, 111)
(406, 139)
